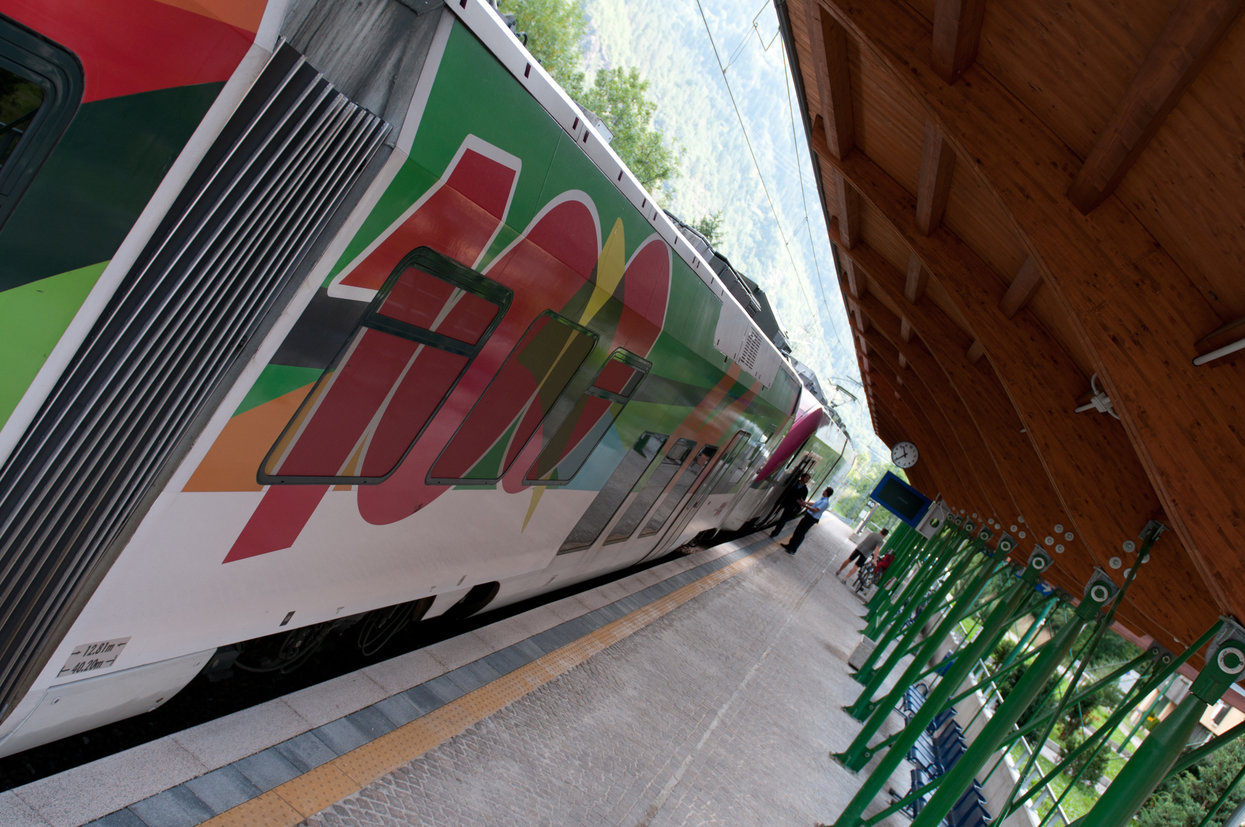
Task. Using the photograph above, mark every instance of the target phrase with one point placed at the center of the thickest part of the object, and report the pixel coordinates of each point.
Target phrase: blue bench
(937, 749)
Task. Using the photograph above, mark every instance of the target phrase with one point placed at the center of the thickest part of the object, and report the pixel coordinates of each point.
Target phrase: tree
(1094, 767)
(553, 31)
(855, 491)
(617, 96)
(710, 226)
(1184, 800)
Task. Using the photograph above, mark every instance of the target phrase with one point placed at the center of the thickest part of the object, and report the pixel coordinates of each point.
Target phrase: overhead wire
(752, 152)
(722, 68)
(743, 41)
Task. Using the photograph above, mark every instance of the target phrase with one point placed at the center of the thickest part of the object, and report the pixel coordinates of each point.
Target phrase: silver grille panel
(234, 242)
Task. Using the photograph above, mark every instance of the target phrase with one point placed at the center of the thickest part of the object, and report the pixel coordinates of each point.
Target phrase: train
(321, 316)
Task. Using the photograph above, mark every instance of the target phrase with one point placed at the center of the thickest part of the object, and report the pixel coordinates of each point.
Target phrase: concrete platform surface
(707, 690)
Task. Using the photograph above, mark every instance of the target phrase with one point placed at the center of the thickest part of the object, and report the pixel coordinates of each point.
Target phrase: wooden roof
(1030, 201)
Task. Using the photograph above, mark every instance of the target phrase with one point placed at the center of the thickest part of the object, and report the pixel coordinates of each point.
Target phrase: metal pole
(1096, 686)
(906, 544)
(1165, 666)
(1193, 756)
(873, 680)
(1161, 697)
(928, 567)
(854, 757)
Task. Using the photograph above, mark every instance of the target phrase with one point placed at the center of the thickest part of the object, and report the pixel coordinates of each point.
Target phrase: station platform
(704, 690)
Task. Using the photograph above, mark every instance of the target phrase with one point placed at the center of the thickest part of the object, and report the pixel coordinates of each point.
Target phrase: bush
(1184, 800)
(1094, 767)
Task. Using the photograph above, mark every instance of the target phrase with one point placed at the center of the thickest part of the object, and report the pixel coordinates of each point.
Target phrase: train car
(816, 444)
(320, 314)
(818, 441)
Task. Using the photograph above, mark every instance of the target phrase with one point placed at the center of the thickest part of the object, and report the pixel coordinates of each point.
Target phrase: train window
(637, 460)
(40, 88)
(735, 463)
(515, 403)
(651, 490)
(420, 333)
(786, 392)
(676, 493)
(20, 100)
(594, 414)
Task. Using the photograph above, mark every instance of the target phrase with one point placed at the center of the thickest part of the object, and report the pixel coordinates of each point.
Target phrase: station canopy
(1038, 216)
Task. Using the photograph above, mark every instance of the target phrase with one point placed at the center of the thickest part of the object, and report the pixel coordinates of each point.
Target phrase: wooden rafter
(1036, 373)
(1157, 602)
(853, 283)
(914, 288)
(962, 445)
(829, 46)
(957, 29)
(1028, 280)
(1193, 30)
(847, 208)
(937, 165)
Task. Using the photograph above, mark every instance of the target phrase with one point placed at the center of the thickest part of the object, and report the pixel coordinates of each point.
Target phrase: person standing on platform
(872, 542)
(791, 502)
(812, 514)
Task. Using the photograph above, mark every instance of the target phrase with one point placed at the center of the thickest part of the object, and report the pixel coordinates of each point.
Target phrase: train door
(702, 488)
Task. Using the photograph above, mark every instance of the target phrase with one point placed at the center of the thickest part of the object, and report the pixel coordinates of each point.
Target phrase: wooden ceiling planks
(1048, 293)
(1186, 188)
(1069, 62)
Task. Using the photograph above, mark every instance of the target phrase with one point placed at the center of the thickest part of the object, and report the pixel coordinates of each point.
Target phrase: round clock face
(904, 454)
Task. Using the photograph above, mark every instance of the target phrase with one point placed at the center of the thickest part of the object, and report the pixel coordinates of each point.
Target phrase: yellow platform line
(313, 791)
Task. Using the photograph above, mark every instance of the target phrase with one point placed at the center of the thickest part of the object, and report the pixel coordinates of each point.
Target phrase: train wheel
(283, 653)
(379, 626)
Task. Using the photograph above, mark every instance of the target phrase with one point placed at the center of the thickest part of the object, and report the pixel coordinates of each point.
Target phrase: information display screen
(900, 499)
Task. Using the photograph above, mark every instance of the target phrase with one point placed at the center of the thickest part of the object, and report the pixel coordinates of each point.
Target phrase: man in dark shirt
(790, 503)
(812, 514)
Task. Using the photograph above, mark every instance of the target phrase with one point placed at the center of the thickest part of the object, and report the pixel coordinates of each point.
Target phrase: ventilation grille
(231, 244)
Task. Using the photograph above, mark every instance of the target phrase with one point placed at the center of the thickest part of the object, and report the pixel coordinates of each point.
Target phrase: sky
(719, 75)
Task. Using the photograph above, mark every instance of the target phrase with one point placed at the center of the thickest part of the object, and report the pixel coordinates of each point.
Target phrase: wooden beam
(975, 351)
(1003, 461)
(969, 458)
(905, 328)
(852, 282)
(957, 30)
(829, 44)
(1193, 30)
(923, 476)
(847, 209)
(937, 458)
(1028, 280)
(915, 286)
(937, 165)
